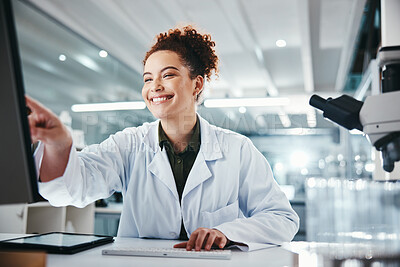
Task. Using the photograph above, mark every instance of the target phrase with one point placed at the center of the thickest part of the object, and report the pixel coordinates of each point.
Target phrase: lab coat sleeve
(269, 217)
(95, 173)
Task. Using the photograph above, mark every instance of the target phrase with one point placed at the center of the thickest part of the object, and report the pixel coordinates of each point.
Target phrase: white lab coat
(230, 186)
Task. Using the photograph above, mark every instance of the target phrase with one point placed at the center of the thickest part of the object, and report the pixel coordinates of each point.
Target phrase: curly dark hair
(194, 49)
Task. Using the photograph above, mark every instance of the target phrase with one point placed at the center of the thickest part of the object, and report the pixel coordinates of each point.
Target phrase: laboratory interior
(314, 84)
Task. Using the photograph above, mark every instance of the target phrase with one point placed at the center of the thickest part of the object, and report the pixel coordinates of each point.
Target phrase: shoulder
(221, 131)
(139, 131)
(124, 141)
(224, 136)
(135, 135)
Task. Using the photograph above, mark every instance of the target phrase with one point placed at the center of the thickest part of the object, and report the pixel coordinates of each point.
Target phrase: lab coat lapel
(209, 150)
(198, 174)
(159, 165)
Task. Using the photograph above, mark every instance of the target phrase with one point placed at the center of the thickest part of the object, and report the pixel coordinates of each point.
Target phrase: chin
(168, 112)
(159, 114)
(165, 116)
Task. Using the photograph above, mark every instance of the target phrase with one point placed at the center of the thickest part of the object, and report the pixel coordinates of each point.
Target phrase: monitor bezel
(7, 14)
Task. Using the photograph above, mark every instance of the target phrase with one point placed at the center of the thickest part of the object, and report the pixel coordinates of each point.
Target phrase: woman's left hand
(204, 238)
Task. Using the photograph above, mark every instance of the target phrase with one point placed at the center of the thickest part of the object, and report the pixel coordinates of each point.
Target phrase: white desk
(267, 257)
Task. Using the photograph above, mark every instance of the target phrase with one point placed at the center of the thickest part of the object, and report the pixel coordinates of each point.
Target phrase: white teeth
(158, 99)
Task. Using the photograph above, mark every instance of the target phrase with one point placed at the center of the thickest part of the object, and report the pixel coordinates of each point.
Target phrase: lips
(160, 99)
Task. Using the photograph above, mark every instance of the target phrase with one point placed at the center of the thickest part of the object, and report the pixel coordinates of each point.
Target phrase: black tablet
(56, 242)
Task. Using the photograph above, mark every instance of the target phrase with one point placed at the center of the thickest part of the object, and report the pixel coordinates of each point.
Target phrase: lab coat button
(179, 161)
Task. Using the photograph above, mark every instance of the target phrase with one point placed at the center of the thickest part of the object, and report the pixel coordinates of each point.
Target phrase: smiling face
(168, 90)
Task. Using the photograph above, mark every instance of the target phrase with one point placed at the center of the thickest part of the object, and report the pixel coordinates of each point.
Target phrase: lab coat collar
(161, 168)
(150, 139)
(159, 165)
(210, 145)
(210, 149)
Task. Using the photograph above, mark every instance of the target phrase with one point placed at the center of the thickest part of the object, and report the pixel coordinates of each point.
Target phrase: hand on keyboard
(204, 238)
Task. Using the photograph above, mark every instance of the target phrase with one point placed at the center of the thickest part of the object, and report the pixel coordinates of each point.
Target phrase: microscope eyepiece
(343, 110)
(318, 102)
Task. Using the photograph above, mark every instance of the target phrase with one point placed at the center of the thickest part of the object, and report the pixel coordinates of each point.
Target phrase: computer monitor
(18, 183)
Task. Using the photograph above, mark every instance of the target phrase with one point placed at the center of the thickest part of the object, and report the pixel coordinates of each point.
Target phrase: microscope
(379, 115)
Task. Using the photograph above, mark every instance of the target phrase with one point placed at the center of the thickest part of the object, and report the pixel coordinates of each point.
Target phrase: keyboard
(169, 252)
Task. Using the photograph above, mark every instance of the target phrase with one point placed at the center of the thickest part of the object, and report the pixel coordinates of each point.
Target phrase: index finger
(33, 104)
(180, 245)
(192, 239)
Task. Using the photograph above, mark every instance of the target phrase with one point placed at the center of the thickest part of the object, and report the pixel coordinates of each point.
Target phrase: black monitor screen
(18, 183)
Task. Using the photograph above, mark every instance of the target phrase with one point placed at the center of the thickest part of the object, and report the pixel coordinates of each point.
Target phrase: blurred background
(91, 51)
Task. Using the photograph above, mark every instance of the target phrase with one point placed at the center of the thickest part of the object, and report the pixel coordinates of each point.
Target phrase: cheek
(189, 90)
(144, 92)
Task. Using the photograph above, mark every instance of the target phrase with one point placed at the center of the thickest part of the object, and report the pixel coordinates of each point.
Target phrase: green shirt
(181, 163)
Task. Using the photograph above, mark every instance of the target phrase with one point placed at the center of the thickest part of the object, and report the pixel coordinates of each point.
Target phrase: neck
(179, 130)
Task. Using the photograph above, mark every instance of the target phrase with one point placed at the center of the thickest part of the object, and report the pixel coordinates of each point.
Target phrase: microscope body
(379, 116)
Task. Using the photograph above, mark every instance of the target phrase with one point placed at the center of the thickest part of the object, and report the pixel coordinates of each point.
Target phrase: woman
(180, 176)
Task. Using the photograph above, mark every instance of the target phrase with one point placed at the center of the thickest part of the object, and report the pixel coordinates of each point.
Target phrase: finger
(30, 102)
(192, 240)
(37, 131)
(32, 124)
(210, 240)
(221, 241)
(32, 128)
(181, 245)
(33, 104)
(200, 239)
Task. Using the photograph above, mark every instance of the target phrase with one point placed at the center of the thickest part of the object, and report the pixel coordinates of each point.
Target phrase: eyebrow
(168, 67)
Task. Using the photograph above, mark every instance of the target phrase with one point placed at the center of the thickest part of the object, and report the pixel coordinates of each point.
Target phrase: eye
(168, 75)
(147, 80)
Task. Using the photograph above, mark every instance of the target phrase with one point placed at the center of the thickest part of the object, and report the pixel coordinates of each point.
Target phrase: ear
(199, 83)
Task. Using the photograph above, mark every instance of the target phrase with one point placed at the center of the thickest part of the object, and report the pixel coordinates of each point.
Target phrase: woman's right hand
(47, 128)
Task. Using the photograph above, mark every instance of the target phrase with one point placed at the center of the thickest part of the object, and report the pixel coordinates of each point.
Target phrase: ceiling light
(132, 105)
(88, 63)
(62, 57)
(103, 53)
(280, 43)
(246, 102)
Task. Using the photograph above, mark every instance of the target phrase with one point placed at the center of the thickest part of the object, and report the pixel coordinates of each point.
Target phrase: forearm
(54, 162)
(68, 188)
(264, 228)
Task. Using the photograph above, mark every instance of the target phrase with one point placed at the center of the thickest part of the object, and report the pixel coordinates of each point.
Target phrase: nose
(157, 86)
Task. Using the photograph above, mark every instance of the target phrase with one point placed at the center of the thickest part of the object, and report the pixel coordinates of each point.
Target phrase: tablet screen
(57, 242)
(57, 239)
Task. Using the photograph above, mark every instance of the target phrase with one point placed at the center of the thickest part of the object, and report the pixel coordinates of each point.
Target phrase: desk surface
(271, 257)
